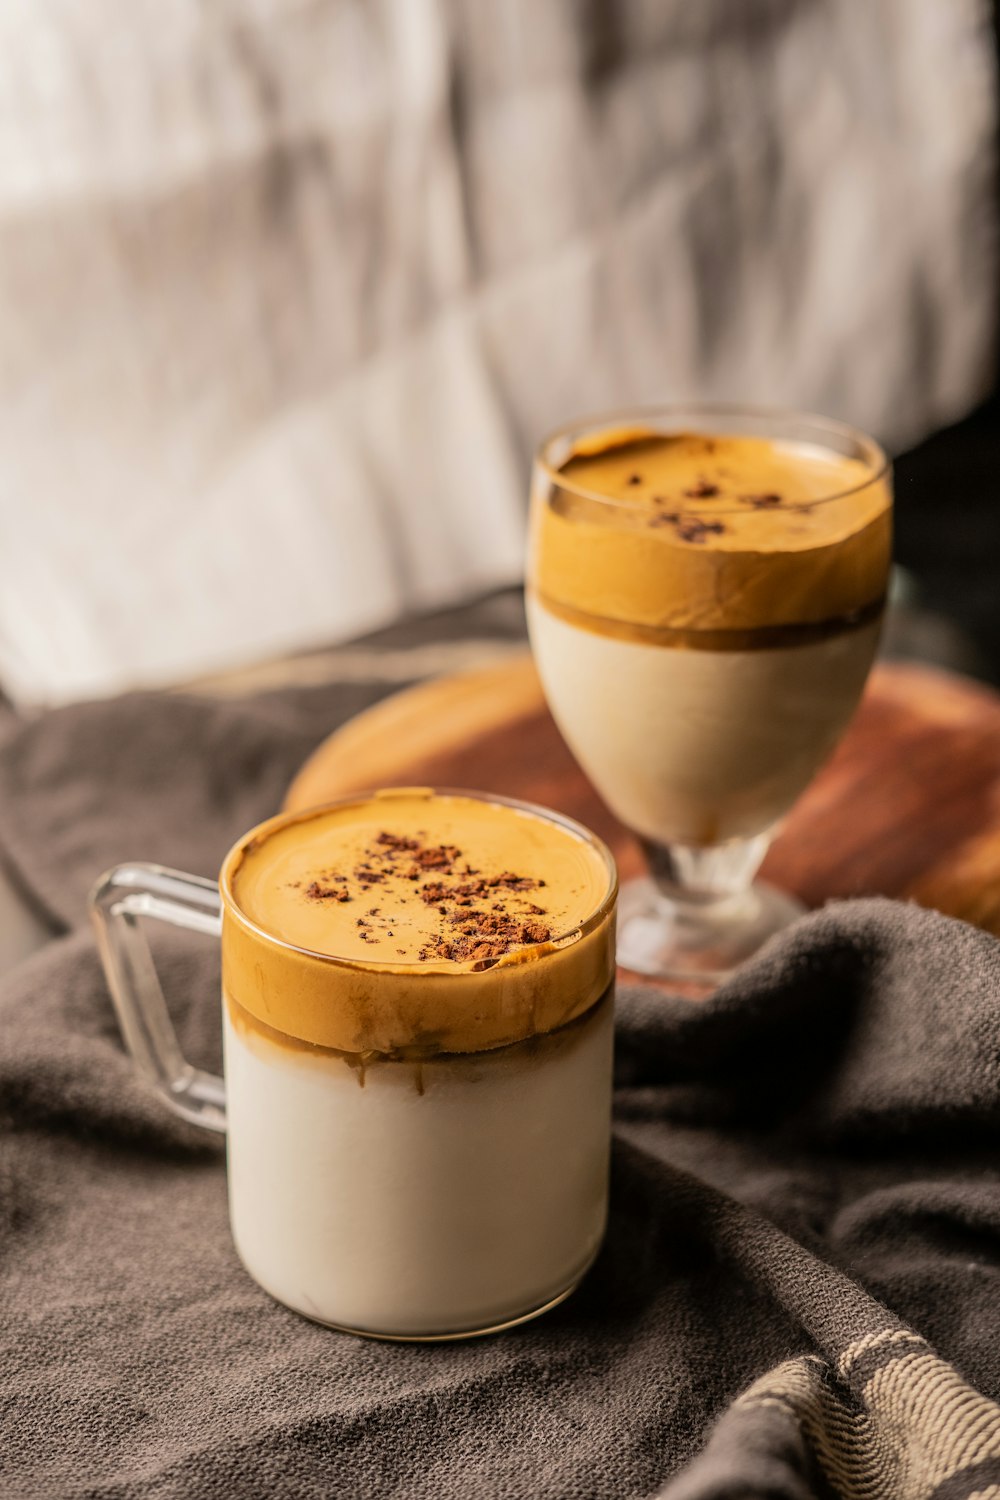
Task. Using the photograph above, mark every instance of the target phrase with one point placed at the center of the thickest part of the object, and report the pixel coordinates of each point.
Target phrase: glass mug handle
(118, 901)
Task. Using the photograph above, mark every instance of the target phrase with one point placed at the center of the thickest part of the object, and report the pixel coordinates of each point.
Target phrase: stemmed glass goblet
(705, 594)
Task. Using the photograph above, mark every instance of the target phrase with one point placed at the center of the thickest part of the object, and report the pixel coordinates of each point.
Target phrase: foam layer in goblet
(711, 541)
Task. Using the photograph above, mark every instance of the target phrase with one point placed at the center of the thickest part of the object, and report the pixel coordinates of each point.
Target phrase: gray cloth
(799, 1291)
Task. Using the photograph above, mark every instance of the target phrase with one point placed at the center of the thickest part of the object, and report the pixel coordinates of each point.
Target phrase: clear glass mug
(405, 1193)
(700, 677)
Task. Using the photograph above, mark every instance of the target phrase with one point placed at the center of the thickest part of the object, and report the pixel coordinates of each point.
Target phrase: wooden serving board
(909, 805)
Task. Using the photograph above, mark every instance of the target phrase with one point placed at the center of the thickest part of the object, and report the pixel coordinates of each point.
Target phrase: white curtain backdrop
(289, 288)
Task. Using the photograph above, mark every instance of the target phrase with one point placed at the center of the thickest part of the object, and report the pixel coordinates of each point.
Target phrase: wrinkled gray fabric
(805, 1188)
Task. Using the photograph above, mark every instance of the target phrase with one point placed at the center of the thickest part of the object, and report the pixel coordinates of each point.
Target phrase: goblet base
(674, 938)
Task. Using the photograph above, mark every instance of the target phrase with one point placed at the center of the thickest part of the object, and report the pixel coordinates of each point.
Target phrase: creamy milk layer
(696, 534)
(413, 921)
(420, 1198)
(696, 747)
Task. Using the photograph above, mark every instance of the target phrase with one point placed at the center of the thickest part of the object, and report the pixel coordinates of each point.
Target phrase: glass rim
(412, 967)
(714, 412)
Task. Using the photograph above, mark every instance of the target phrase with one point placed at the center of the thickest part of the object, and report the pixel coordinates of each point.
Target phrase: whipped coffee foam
(693, 534)
(412, 919)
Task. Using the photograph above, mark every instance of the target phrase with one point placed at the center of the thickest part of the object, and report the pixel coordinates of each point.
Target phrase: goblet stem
(708, 872)
(699, 913)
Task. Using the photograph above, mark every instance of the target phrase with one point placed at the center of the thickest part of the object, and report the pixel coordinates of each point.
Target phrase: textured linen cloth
(289, 291)
(799, 1291)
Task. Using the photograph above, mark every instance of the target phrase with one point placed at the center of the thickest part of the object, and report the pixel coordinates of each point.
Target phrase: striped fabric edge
(892, 1422)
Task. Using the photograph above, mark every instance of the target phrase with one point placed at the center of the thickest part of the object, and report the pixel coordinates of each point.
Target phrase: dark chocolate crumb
(691, 529)
(437, 858)
(394, 842)
(317, 892)
(762, 502)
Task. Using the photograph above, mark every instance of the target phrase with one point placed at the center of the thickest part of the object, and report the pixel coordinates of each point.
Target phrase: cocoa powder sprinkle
(762, 502)
(317, 892)
(394, 841)
(438, 858)
(693, 530)
(688, 528)
(487, 915)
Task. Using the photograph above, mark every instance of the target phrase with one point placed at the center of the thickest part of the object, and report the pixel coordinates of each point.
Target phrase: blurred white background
(290, 288)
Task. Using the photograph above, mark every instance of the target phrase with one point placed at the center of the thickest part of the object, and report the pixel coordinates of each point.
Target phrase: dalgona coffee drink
(418, 1034)
(704, 610)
